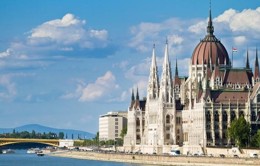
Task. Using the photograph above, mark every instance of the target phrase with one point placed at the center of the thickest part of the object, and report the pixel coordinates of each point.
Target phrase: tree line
(96, 142)
(33, 134)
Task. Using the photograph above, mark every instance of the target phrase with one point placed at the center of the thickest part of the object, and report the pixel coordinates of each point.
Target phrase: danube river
(21, 158)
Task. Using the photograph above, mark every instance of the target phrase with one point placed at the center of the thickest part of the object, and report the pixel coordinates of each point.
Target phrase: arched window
(167, 119)
(167, 136)
(253, 116)
(233, 115)
(208, 116)
(224, 116)
(258, 98)
(137, 122)
(216, 117)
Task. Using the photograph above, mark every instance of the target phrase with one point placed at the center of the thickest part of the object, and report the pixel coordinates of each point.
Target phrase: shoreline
(158, 160)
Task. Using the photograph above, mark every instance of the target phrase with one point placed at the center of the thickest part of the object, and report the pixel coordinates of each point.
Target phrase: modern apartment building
(111, 124)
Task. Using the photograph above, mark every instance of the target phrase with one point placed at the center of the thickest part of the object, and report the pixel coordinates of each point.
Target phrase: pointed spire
(166, 53)
(153, 85)
(137, 94)
(166, 92)
(133, 95)
(256, 59)
(153, 57)
(247, 60)
(176, 69)
(210, 28)
(256, 73)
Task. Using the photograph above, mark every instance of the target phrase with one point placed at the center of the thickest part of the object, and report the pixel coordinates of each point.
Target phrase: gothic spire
(133, 96)
(153, 57)
(210, 28)
(247, 60)
(176, 69)
(256, 59)
(166, 54)
(137, 94)
(166, 79)
(256, 73)
(153, 85)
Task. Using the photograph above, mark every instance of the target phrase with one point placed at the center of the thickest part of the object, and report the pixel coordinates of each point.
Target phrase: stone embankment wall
(161, 160)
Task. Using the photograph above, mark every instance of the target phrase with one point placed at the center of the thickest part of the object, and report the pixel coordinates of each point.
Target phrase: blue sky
(65, 62)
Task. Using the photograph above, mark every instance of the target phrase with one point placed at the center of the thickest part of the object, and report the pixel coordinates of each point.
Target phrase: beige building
(194, 112)
(111, 124)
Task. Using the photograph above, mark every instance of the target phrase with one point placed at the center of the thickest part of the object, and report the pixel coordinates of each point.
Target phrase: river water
(21, 158)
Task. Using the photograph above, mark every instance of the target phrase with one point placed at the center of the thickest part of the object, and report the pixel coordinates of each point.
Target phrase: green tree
(61, 135)
(255, 141)
(123, 132)
(33, 134)
(96, 139)
(239, 131)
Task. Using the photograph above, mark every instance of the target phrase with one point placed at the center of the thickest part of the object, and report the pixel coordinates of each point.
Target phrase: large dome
(210, 49)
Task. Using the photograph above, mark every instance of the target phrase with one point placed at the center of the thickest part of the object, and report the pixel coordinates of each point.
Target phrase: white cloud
(8, 86)
(101, 87)
(226, 16)
(68, 30)
(239, 40)
(145, 34)
(198, 28)
(247, 20)
(5, 53)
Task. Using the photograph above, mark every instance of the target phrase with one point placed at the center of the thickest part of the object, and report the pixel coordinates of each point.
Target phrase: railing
(7, 141)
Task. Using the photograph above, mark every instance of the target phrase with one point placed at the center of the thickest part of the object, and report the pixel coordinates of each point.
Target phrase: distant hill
(41, 129)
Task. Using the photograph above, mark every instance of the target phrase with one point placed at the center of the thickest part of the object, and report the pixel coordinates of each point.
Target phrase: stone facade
(194, 112)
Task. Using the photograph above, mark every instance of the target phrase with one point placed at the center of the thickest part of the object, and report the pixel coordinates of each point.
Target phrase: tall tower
(153, 84)
(256, 73)
(247, 60)
(166, 87)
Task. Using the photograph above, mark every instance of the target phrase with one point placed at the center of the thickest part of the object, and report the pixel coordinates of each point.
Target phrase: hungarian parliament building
(194, 112)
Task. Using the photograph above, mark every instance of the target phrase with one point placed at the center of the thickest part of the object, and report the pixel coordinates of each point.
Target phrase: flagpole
(232, 56)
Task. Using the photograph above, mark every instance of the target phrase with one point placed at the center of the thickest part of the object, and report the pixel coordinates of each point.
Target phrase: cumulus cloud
(9, 88)
(5, 53)
(68, 30)
(99, 88)
(145, 34)
(240, 40)
(67, 36)
(103, 86)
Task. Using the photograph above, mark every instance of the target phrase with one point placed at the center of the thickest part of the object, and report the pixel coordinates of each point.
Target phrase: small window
(258, 98)
(167, 118)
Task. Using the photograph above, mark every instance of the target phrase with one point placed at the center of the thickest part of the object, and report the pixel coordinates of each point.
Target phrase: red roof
(226, 96)
(241, 76)
(210, 46)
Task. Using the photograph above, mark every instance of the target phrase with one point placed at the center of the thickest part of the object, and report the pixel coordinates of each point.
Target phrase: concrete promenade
(161, 160)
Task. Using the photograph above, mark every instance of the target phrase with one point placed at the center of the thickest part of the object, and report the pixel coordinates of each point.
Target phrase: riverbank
(160, 160)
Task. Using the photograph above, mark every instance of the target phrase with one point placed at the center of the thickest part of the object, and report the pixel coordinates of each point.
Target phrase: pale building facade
(194, 112)
(111, 124)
